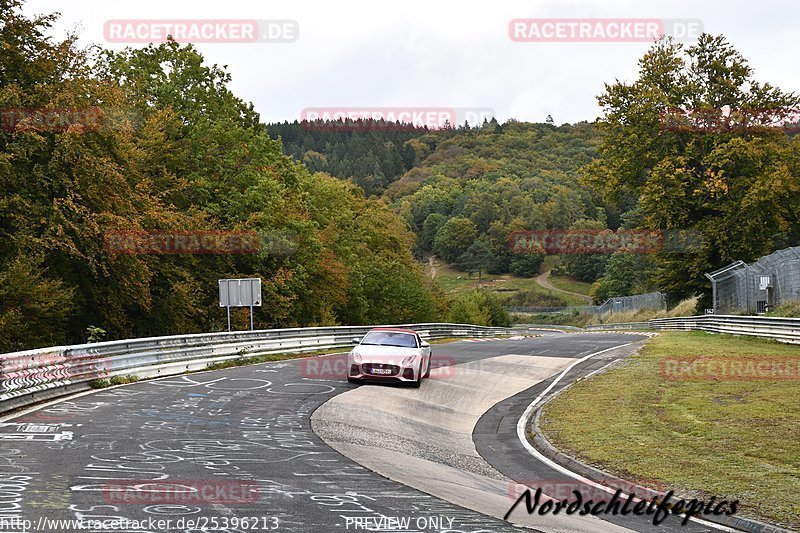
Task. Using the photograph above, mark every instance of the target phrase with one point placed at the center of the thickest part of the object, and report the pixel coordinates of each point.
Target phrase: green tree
(497, 239)
(526, 264)
(479, 307)
(625, 275)
(584, 256)
(369, 276)
(477, 258)
(735, 188)
(430, 228)
(34, 309)
(454, 237)
(526, 178)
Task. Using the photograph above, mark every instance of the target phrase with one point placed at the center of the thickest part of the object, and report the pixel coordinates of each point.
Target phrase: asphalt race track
(243, 437)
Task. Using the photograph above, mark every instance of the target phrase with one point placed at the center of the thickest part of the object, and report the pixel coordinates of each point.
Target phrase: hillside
(463, 189)
(372, 154)
(482, 184)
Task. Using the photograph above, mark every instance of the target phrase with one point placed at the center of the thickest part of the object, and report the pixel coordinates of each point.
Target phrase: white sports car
(389, 354)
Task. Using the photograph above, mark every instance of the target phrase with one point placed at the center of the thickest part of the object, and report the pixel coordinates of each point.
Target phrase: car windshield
(390, 338)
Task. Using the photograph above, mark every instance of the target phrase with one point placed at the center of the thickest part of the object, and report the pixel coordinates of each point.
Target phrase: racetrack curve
(250, 429)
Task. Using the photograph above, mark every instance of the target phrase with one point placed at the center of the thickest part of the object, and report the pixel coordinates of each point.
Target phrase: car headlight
(408, 360)
(356, 357)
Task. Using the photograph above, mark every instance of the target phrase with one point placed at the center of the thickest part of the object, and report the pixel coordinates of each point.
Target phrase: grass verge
(737, 439)
(116, 380)
(566, 283)
(446, 340)
(790, 309)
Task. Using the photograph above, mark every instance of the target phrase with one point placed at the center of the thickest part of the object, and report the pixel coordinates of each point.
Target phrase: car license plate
(381, 370)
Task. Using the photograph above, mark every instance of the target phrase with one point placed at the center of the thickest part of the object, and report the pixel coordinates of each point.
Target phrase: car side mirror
(426, 344)
(356, 340)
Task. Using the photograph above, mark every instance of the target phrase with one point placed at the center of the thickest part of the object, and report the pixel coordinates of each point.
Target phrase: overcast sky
(444, 53)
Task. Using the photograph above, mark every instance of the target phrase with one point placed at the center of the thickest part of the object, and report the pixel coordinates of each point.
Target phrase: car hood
(384, 354)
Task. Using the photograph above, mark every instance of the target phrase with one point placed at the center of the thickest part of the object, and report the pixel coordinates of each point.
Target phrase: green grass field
(516, 284)
(730, 438)
(550, 262)
(568, 284)
(454, 281)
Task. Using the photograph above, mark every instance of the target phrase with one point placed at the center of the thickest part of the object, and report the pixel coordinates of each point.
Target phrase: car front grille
(369, 368)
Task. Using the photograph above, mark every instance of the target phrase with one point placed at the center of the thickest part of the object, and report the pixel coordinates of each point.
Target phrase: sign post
(245, 292)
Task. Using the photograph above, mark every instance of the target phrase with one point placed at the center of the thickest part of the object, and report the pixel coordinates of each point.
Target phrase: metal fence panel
(759, 287)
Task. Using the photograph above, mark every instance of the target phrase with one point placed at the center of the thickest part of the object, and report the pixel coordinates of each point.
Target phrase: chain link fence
(759, 287)
(655, 301)
(652, 301)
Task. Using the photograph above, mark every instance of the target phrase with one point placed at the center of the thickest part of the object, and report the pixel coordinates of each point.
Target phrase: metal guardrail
(781, 329)
(621, 326)
(558, 327)
(31, 376)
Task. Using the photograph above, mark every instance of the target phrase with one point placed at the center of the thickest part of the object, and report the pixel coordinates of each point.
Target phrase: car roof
(396, 330)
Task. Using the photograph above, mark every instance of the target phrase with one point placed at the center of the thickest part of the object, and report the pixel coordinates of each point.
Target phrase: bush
(467, 310)
(34, 308)
(479, 307)
(790, 309)
(526, 265)
(95, 334)
(625, 275)
(121, 380)
(453, 238)
(115, 380)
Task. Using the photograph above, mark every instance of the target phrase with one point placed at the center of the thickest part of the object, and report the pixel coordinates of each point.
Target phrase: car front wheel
(417, 382)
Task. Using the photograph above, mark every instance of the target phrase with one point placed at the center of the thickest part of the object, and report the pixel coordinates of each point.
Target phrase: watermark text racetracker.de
(185, 242)
(181, 492)
(391, 118)
(59, 120)
(560, 489)
(51, 120)
(590, 241)
(730, 368)
(602, 30)
(726, 119)
(199, 242)
(143, 31)
(334, 367)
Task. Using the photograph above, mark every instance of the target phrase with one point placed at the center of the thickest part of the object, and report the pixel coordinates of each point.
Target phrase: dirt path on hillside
(542, 280)
(432, 263)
